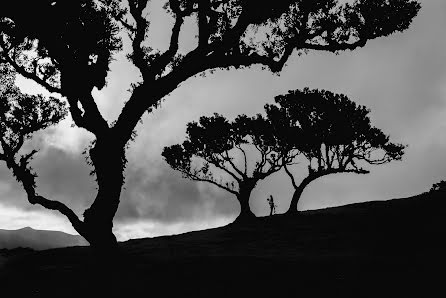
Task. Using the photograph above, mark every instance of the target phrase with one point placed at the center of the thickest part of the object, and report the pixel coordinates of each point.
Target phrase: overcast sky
(401, 78)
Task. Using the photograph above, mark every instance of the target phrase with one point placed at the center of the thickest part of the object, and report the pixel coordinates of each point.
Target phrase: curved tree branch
(62, 208)
(216, 163)
(138, 56)
(28, 75)
(229, 159)
(91, 119)
(245, 160)
(24, 175)
(202, 179)
(293, 181)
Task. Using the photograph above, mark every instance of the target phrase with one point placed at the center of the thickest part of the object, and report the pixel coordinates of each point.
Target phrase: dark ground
(378, 249)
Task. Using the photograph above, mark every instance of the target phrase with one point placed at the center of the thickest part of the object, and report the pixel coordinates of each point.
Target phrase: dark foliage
(22, 115)
(75, 36)
(231, 155)
(66, 46)
(333, 133)
(439, 186)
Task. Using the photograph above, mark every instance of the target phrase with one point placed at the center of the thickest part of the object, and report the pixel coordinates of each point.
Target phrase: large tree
(234, 156)
(66, 46)
(332, 133)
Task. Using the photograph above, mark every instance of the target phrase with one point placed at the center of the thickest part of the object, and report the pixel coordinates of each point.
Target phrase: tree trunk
(243, 198)
(108, 160)
(297, 194)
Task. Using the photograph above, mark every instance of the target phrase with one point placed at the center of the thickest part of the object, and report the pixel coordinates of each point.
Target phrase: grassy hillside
(376, 249)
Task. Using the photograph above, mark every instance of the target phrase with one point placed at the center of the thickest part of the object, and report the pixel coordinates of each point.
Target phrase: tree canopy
(332, 133)
(21, 115)
(56, 42)
(67, 46)
(231, 155)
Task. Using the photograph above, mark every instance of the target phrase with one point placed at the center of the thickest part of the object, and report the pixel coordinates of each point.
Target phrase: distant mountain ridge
(38, 239)
(433, 203)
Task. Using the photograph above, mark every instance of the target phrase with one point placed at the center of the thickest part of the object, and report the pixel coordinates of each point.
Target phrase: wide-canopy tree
(332, 133)
(234, 156)
(66, 46)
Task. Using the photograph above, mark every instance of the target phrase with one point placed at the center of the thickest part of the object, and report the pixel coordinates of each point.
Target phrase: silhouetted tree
(66, 46)
(439, 186)
(332, 133)
(20, 116)
(231, 155)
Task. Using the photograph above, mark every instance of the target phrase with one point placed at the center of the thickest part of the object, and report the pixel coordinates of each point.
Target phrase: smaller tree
(439, 186)
(20, 116)
(332, 133)
(231, 155)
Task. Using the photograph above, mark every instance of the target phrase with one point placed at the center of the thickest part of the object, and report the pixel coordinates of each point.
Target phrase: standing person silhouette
(272, 206)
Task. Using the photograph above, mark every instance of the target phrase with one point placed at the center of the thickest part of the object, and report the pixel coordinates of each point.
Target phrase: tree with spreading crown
(67, 46)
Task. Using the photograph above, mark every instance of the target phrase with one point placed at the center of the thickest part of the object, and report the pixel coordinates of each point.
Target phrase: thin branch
(5, 147)
(24, 176)
(274, 163)
(273, 168)
(216, 162)
(19, 144)
(24, 160)
(293, 181)
(28, 75)
(62, 208)
(244, 158)
(319, 160)
(336, 47)
(141, 28)
(119, 17)
(203, 31)
(290, 155)
(173, 46)
(201, 179)
(126, 25)
(336, 171)
(264, 155)
(240, 60)
(91, 120)
(229, 159)
(161, 62)
(230, 38)
(327, 157)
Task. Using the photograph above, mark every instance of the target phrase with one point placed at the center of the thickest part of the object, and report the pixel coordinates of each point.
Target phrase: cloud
(401, 78)
(12, 218)
(167, 198)
(160, 196)
(62, 176)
